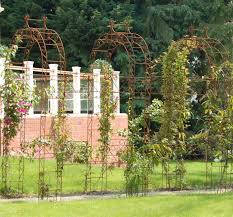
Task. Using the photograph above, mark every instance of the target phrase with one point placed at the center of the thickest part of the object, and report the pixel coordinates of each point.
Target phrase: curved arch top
(134, 45)
(45, 39)
(213, 48)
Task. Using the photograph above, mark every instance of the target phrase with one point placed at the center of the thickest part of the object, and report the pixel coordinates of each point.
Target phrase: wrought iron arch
(134, 86)
(131, 42)
(213, 48)
(44, 39)
(138, 54)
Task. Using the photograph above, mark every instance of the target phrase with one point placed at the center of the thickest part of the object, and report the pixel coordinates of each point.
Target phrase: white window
(86, 96)
(41, 90)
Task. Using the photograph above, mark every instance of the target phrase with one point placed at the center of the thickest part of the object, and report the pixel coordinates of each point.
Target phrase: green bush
(76, 152)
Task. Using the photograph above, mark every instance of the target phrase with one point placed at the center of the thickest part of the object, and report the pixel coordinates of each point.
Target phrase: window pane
(41, 91)
(68, 103)
(86, 98)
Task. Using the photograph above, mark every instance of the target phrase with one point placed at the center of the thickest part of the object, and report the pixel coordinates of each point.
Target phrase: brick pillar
(29, 79)
(76, 88)
(116, 90)
(2, 82)
(54, 88)
(96, 90)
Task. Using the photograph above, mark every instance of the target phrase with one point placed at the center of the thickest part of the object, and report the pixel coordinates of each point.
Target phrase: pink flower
(22, 110)
(29, 104)
(21, 103)
(23, 107)
(24, 103)
(7, 120)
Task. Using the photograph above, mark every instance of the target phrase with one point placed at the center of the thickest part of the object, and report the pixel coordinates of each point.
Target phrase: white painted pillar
(76, 88)
(1, 8)
(29, 80)
(54, 88)
(116, 90)
(96, 90)
(2, 82)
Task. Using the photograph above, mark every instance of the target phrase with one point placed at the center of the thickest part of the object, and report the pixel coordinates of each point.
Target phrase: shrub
(76, 152)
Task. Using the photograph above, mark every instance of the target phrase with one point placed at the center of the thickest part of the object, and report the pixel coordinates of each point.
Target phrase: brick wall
(79, 128)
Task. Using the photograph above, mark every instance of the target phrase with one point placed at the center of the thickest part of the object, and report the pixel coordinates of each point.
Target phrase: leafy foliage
(176, 113)
(217, 133)
(155, 111)
(141, 156)
(81, 22)
(74, 151)
(107, 106)
(15, 94)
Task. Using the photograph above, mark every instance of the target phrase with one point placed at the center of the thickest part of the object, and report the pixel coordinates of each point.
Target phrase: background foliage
(159, 21)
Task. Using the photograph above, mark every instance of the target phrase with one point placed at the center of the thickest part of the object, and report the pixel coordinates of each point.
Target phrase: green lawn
(161, 206)
(74, 176)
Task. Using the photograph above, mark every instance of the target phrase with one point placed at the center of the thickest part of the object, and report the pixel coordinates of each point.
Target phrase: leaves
(217, 134)
(16, 97)
(107, 106)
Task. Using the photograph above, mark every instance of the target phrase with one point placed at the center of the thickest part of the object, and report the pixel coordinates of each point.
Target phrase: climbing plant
(175, 112)
(175, 89)
(217, 135)
(107, 108)
(59, 141)
(15, 95)
(141, 157)
(17, 100)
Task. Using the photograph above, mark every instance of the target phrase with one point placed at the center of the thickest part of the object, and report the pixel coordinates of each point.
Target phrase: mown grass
(74, 177)
(156, 206)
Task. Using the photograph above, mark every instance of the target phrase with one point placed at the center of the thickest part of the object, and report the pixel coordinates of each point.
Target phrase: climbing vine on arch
(217, 135)
(107, 108)
(17, 100)
(176, 92)
(175, 88)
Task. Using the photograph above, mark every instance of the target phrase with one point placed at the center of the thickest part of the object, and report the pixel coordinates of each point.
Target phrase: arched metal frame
(215, 54)
(214, 51)
(44, 38)
(138, 55)
(134, 46)
(131, 42)
(211, 47)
